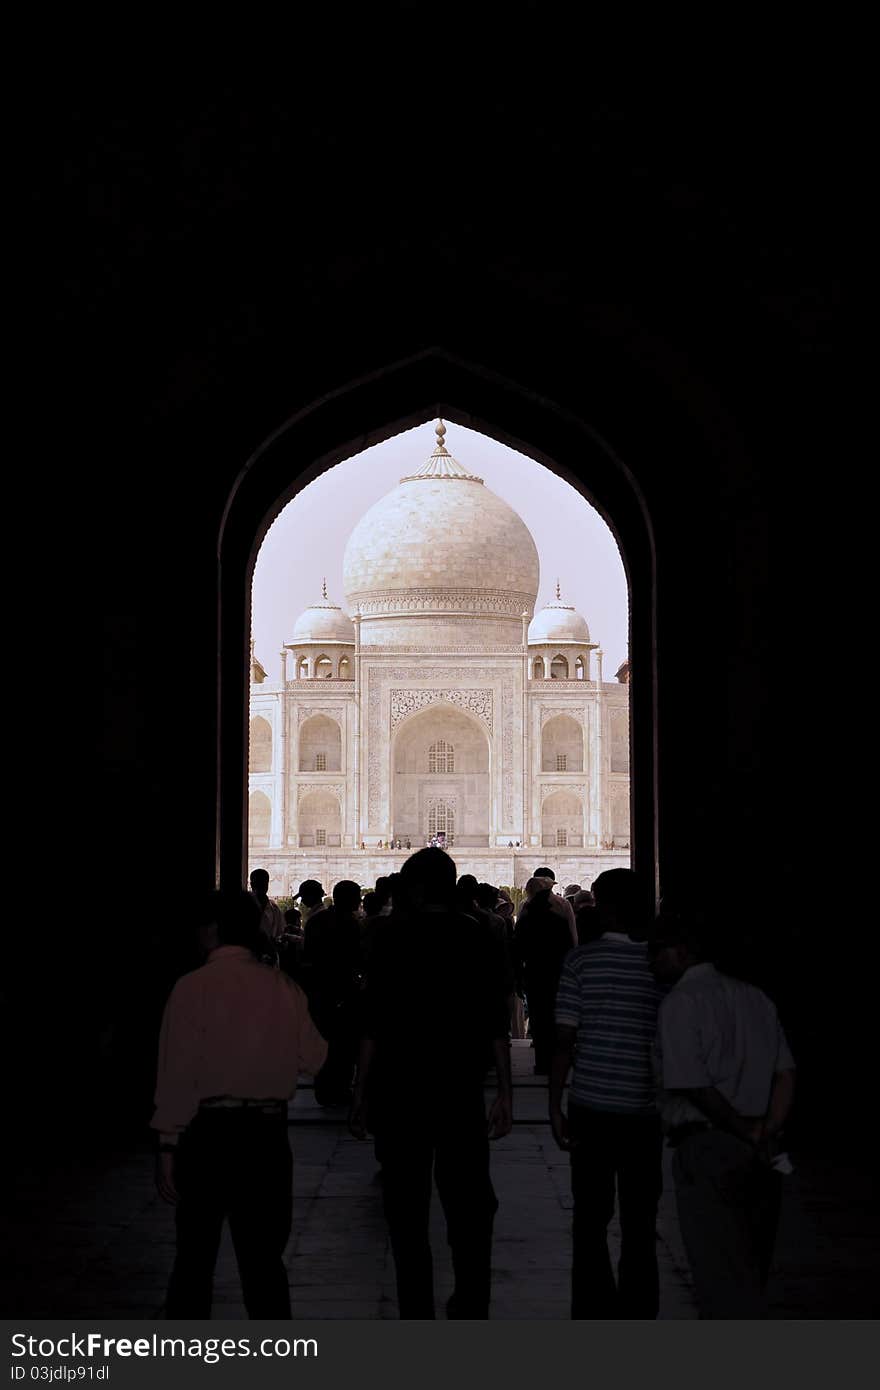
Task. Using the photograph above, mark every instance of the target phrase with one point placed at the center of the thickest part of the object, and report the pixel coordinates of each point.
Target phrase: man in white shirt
(727, 1078)
(235, 1037)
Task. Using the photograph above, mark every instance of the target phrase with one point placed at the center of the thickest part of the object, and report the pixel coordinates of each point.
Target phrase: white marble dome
(323, 622)
(440, 545)
(558, 622)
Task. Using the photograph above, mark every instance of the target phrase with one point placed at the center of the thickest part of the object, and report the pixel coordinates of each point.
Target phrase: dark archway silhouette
(366, 412)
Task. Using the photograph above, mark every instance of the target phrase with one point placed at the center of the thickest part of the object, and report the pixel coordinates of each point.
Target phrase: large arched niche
(261, 745)
(319, 820)
(320, 745)
(367, 411)
(562, 820)
(440, 756)
(259, 819)
(562, 745)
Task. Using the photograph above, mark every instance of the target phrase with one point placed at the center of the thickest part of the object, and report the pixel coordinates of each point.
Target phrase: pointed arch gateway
(405, 394)
(441, 770)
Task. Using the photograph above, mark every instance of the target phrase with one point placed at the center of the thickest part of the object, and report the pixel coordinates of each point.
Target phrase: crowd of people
(402, 1003)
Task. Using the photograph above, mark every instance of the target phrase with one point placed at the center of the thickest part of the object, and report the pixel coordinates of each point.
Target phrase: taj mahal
(438, 705)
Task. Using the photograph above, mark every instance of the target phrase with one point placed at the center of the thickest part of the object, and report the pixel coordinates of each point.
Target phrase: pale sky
(306, 542)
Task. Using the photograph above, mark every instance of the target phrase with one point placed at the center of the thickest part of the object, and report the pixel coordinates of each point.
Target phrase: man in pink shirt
(235, 1037)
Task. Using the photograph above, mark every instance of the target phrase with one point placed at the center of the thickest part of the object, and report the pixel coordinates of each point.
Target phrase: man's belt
(263, 1107)
(676, 1133)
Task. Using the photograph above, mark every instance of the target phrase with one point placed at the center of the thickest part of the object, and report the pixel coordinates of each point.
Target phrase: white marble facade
(440, 704)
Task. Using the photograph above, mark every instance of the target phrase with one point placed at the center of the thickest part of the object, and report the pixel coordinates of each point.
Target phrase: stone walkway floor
(97, 1241)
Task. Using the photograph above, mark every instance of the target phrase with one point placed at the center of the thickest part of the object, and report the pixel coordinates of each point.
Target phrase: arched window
(261, 745)
(538, 668)
(344, 669)
(323, 668)
(441, 820)
(559, 669)
(441, 757)
(579, 672)
(303, 672)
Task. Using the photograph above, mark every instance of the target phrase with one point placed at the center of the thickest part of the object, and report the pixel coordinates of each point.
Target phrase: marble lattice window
(561, 760)
(562, 837)
(320, 762)
(320, 837)
(441, 757)
(441, 820)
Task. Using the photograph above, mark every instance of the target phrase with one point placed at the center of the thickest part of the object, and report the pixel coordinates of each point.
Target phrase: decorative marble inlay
(571, 711)
(443, 601)
(305, 712)
(306, 788)
(551, 788)
(477, 702)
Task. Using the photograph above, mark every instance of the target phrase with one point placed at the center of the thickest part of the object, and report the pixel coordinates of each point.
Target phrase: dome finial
(440, 431)
(324, 587)
(558, 594)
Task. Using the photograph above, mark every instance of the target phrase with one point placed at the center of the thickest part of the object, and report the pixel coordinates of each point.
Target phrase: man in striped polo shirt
(606, 1022)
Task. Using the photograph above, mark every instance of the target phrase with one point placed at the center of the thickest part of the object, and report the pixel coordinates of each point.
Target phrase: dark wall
(646, 300)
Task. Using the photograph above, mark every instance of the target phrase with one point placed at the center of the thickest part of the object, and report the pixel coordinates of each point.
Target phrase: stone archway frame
(397, 396)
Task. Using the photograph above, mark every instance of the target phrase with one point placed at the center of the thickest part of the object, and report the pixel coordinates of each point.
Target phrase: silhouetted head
(260, 883)
(238, 920)
(625, 905)
(310, 892)
(678, 942)
(466, 891)
(545, 873)
(293, 918)
(486, 896)
(504, 905)
(383, 888)
(428, 879)
(372, 904)
(535, 887)
(582, 898)
(571, 890)
(346, 896)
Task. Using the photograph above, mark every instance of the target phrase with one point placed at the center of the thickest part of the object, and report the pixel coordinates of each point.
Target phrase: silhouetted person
(271, 916)
(421, 1092)
(587, 919)
(728, 1084)
(560, 905)
(468, 896)
(332, 960)
(383, 888)
(606, 1017)
(235, 1036)
(311, 898)
(541, 941)
(290, 944)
